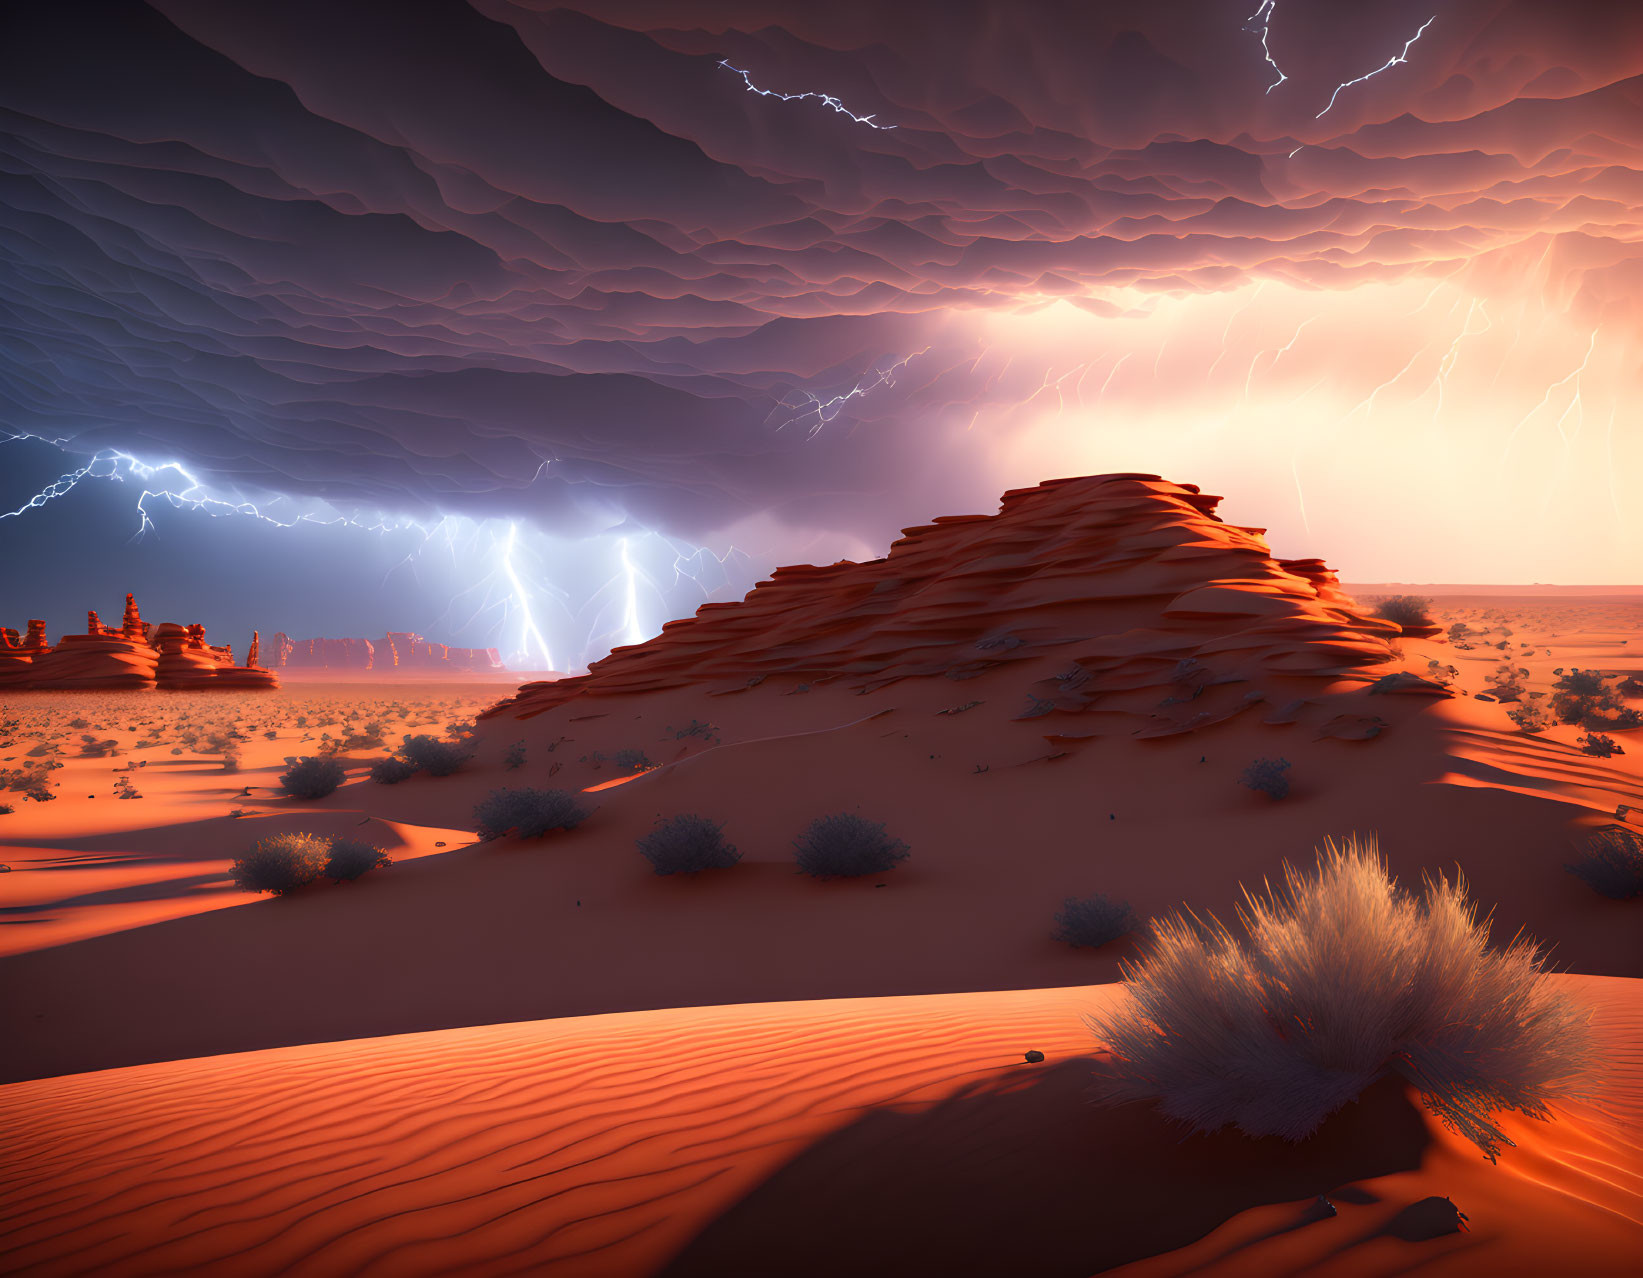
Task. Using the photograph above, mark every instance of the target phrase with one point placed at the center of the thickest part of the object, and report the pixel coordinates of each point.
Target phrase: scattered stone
(1430, 1218)
(1034, 1056)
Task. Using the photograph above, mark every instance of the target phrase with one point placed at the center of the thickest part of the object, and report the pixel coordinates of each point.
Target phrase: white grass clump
(1344, 977)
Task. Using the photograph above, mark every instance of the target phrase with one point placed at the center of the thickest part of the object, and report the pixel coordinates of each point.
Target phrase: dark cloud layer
(399, 256)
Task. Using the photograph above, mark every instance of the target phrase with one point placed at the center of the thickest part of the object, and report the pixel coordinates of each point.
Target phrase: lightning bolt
(1547, 397)
(1447, 363)
(1102, 393)
(825, 410)
(1300, 497)
(112, 463)
(523, 598)
(634, 633)
(1232, 319)
(492, 559)
(1391, 62)
(1264, 14)
(827, 99)
(1369, 402)
(1277, 354)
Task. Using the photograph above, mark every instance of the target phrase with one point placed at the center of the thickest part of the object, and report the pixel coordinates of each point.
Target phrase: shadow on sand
(1023, 1174)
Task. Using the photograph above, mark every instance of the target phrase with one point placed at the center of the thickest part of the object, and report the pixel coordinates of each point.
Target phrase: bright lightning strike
(1264, 16)
(1391, 62)
(631, 604)
(503, 569)
(112, 463)
(825, 410)
(523, 598)
(825, 98)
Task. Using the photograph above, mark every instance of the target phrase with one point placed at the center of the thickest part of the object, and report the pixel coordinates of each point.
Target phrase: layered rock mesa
(137, 655)
(1132, 580)
(397, 651)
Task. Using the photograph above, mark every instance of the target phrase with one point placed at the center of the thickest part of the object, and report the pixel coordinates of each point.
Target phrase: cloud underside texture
(399, 258)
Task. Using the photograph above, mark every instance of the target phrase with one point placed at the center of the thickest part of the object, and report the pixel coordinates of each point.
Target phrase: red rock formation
(131, 626)
(16, 659)
(398, 650)
(250, 675)
(102, 658)
(324, 654)
(184, 663)
(138, 655)
(1132, 581)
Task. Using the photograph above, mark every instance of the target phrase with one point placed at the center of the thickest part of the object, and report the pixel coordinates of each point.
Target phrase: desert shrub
(687, 844)
(6, 809)
(1630, 686)
(1406, 610)
(392, 770)
(1439, 673)
(1582, 696)
(33, 780)
(1268, 777)
(1611, 863)
(1531, 716)
(312, 777)
(1595, 743)
(527, 813)
(632, 760)
(1506, 682)
(1093, 921)
(1343, 978)
(437, 758)
(280, 863)
(350, 858)
(847, 846)
(515, 757)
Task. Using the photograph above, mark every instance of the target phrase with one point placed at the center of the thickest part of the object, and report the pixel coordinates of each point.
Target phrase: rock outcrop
(1133, 582)
(399, 651)
(138, 655)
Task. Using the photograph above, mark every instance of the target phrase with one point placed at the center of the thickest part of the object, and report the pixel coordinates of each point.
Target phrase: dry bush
(687, 844)
(1406, 610)
(1343, 978)
(347, 859)
(527, 813)
(847, 846)
(1093, 921)
(312, 777)
(430, 754)
(1611, 863)
(281, 863)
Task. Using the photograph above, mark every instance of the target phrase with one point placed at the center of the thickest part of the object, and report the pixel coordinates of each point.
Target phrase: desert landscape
(539, 1054)
(763, 639)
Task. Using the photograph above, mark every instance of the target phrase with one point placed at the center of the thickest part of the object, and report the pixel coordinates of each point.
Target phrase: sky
(536, 325)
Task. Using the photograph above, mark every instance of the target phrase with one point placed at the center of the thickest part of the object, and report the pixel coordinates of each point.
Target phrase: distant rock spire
(131, 626)
(251, 657)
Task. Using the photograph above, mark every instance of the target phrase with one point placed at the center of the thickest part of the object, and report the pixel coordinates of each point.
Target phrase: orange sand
(867, 1137)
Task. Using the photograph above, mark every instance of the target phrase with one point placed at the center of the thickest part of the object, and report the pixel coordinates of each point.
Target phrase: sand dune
(875, 1137)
